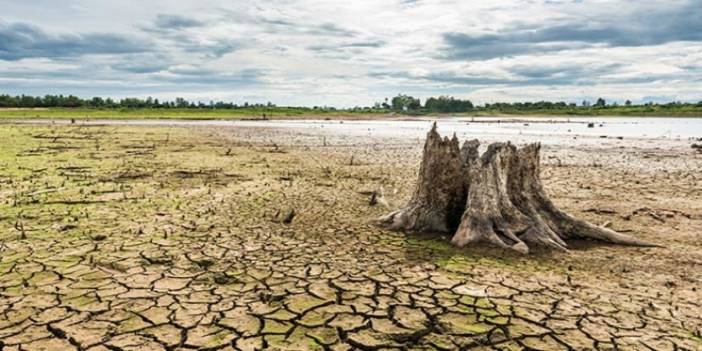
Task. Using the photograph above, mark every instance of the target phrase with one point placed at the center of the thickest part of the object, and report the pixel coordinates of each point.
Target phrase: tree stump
(439, 198)
(496, 197)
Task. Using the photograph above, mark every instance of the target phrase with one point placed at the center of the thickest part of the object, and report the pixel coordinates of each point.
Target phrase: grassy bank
(294, 113)
(646, 111)
(153, 113)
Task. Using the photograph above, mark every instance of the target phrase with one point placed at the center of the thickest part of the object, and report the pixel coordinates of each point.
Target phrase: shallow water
(646, 128)
(629, 127)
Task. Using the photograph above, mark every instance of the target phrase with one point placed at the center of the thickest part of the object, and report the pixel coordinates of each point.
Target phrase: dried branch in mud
(20, 228)
(284, 217)
(496, 197)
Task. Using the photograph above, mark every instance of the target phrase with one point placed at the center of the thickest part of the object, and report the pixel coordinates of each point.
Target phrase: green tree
(447, 104)
(405, 102)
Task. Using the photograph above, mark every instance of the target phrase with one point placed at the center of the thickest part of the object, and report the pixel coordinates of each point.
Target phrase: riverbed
(146, 234)
(522, 128)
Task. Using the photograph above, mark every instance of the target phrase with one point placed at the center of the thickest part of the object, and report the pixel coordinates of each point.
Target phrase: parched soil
(157, 238)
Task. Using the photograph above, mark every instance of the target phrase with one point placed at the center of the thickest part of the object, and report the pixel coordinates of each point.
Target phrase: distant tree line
(600, 103)
(400, 103)
(71, 101)
(449, 104)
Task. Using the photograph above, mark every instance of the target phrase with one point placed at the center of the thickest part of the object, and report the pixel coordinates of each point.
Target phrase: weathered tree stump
(496, 197)
(439, 198)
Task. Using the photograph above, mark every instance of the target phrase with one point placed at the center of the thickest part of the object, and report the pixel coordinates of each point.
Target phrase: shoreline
(68, 114)
(529, 129)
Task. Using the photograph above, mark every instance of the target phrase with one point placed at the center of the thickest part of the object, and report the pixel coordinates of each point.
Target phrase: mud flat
(168, 237)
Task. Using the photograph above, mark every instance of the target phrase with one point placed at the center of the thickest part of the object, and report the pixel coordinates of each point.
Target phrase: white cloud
(313, 52)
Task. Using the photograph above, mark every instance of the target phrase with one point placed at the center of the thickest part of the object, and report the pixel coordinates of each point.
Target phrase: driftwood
(496, 197)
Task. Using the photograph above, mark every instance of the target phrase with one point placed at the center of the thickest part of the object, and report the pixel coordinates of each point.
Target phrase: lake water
(629, 127)
(645, 128)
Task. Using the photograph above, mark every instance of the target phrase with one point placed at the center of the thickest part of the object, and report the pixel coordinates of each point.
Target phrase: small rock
(289, 218)
(221, 279)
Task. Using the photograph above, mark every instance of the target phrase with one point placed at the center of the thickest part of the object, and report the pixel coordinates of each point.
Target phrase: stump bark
(439, 198)
(496, 197)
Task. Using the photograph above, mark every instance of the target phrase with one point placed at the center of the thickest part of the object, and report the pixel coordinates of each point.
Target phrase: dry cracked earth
(157, 238)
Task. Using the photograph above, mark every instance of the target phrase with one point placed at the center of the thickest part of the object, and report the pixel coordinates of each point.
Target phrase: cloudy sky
(312, 52)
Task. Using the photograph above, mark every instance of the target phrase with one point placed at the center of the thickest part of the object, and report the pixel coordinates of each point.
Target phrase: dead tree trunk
(496, 198)
(439, 198)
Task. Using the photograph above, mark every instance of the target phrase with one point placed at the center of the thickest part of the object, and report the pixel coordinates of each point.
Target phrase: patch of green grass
(461, 260)
(173, 113)
(313, 344)
(685, 110)
(55, 181)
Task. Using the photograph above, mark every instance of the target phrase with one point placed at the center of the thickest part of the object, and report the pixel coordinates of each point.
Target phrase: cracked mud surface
(156, 238)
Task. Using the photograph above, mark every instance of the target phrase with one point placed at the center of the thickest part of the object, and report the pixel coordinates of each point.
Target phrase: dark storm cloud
(182, 32)
(331, 29)
(203, 76)
(453, 78)
(563, 71)
(642, 29)
(483, 47)
(21, 40)
(278, 22)
(344, 46)
(164, 24)
(176, 22)
(532, 75)
(212, 48)
(83, 79)
(42, 75)
(290, 27)
(439, 77)
(143, 63)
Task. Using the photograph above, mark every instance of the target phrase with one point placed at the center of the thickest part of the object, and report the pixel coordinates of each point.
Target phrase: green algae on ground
(438, 249)
(697, 337)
